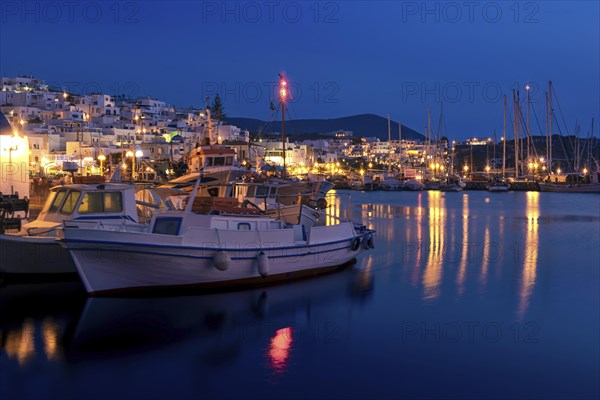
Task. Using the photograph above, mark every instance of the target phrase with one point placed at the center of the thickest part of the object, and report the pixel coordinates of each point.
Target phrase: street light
(101, 158)
(130, 154)
(138, 154)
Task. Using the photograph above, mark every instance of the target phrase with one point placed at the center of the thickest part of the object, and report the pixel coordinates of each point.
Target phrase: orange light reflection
(432, 276)
(279, 349)
(464, 257)
(530, 255)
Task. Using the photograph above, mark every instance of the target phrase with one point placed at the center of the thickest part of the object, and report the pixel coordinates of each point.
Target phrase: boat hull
(570, 188)
(107, 266)
(498, 189)
(451, 188)
(34, 256)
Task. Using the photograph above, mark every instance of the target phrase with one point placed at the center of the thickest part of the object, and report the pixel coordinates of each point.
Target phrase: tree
(217, 110)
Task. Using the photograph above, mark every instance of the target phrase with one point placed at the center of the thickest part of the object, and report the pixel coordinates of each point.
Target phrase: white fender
(262, 261)
(221, 260)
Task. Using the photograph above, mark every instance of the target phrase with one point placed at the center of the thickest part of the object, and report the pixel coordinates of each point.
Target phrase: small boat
(33, 248)
(498, 186)
(432, 185)
(412, 185)
(453, 184)
(451, 187)
(570, 187)
(573, 183)
(184, 249)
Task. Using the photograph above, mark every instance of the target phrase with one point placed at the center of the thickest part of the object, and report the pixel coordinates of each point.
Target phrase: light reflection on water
(432, 276)
(530, 256)
(440, 241)
(279, 349)
(524, 263)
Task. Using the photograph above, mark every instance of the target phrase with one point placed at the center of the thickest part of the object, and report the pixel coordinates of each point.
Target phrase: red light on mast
(283, 89)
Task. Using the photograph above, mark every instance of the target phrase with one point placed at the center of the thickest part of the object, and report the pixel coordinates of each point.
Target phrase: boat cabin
(112, 203)
(212, 157)
(176, 223)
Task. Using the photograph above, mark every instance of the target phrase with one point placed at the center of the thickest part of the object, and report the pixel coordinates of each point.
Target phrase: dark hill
(363, 125)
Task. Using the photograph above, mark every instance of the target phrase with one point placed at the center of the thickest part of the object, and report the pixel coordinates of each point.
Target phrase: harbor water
(466, 295)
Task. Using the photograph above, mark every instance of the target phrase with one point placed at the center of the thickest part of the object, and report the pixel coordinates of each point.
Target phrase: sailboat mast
(439, 135)
(389, 141)
(519, 118)
(516, 133)
(428, 137)
(551, 117)
(547, 136)
(504, 142)
(495, 151)
(527, 89)
(400, 144)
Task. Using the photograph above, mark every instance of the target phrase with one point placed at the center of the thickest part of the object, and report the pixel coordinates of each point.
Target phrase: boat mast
(438, 139)
(400, 144)
(282, 99)
(547, 136)
(389, 140)
(504, 142)
(551, 116)
(516, 133)
(528, 128)
(519, 118)
(428, 137)
(494, 150)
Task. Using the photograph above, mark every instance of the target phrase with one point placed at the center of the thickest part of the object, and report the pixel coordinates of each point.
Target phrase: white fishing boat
(33, 248)
(452, 184)
(183, 249)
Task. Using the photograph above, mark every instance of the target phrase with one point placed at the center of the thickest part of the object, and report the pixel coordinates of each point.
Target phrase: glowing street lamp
(101, 158)
(131, 155)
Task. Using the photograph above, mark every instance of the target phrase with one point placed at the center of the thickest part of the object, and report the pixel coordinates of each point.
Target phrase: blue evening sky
(342, 57)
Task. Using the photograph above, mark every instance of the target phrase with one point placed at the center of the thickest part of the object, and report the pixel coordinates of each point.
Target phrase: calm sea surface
(466, 295)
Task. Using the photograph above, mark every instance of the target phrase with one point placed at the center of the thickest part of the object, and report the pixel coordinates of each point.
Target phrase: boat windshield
(70, 202)
(101, 202)
(57, 200)
(48, 202)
